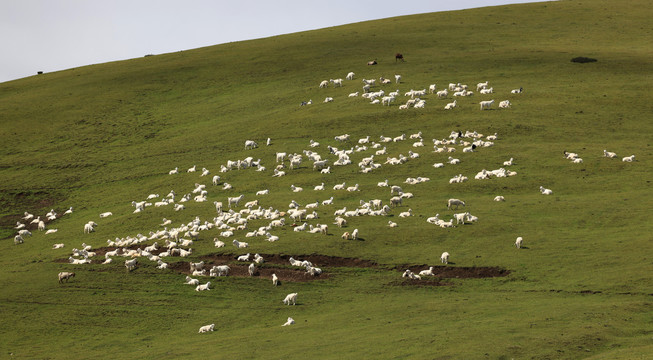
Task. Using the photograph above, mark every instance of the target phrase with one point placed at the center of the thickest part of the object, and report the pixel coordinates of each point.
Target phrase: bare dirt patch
(279, 264)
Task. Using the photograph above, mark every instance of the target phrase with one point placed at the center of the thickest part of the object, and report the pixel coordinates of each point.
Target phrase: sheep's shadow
(524, 247)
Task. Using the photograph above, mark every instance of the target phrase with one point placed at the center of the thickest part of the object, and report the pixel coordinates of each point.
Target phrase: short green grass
(98, 137)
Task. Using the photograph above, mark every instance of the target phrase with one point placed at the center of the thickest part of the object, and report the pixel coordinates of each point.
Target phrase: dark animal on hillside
(373, 62)
(399, 56)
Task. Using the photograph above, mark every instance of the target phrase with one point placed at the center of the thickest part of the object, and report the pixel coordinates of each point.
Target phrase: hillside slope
(99, 137)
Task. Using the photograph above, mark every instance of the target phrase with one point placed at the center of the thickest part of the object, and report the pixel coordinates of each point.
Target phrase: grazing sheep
(18, 239)
(452, 202)
(518, 242)
(290, 321)
(485, 105)
(499, 198)
(290, 298)
(444, 257)
(220, 270)
(64, 275)
(206, 328)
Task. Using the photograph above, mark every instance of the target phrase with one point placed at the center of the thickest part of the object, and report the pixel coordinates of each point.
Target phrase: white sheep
(290, 321)
(406, 213)
(609, 154)
(64, 275)
(444, 257)
(191, 281)
(244, 257)
(517, 91)
(324, 84)
(350, 76)
(450, 105)
(456, 202)
(203, 287)
(504, 104)
(485, 105)
(328, 99)
(131, 264)
(545, 191)
(499, 198)
(518, 242)
(206, 328)
(290, 298)
(218, 243)
(275, 280)
(630, 158)
(251, 269)
(239, 244)
(220, 270)
(428, 272)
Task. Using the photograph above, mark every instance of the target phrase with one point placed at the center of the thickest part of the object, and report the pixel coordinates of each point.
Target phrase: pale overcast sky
(52, 35)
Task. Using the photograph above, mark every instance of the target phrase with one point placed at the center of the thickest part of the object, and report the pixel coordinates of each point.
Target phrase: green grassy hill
(99, 137)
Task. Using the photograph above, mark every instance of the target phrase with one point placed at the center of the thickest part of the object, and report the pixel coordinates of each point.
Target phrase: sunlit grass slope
(99, 137)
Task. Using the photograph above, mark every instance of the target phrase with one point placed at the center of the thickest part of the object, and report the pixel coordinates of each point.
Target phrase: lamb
(218, 243)
(487, 91)
(206, 328)
(206, 286)
(444, 257)
(452, 202)
(508, 163)
(290, 321)
(244, 257)
(499, 198)
(504, 104)
(275, 280)
(517, 91)
(174, 171)
(518, 242)
(324, 84)
(328, 99)
(57, 246)
(485, 105)
(545, 191)
(350, 76)
(64, 275)
(290, 298)
(630, 158)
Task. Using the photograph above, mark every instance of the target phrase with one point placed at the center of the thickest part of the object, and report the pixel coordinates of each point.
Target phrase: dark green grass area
(99, 137)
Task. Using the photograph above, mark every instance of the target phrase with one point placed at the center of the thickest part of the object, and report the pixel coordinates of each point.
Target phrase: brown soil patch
(279, 264)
